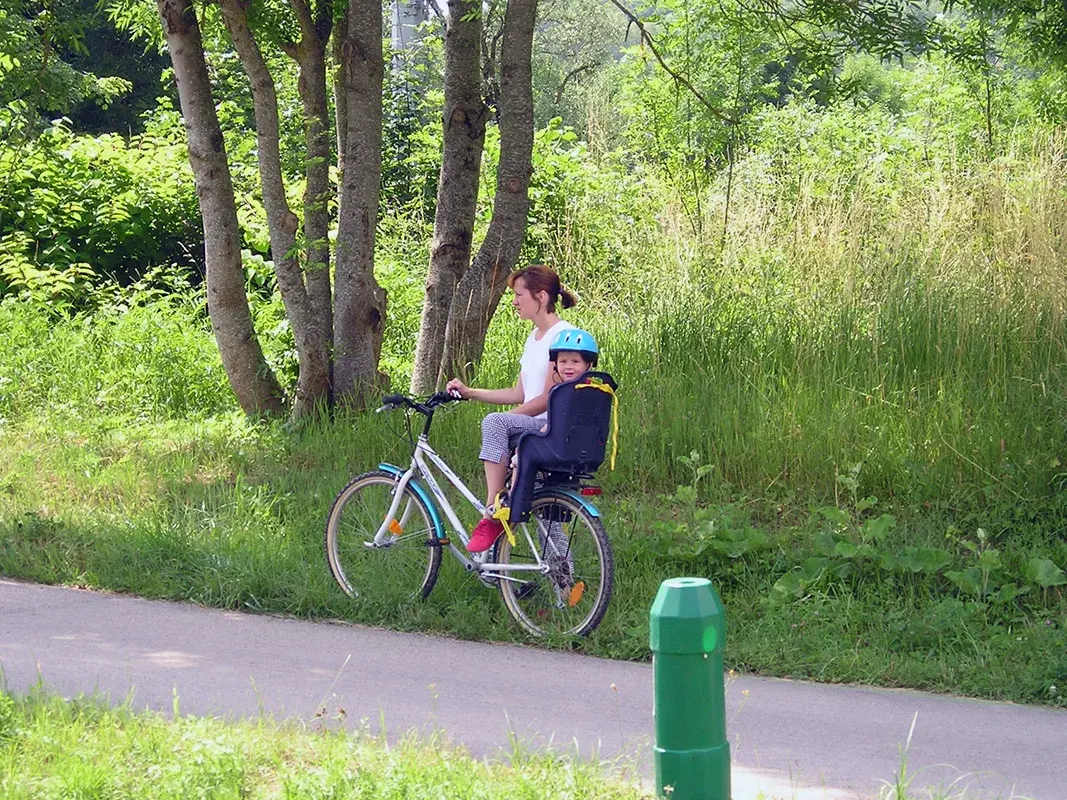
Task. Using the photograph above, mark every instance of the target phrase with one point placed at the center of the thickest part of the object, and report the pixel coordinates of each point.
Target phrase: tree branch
(647, 38)
(573, 74)
(303, 16)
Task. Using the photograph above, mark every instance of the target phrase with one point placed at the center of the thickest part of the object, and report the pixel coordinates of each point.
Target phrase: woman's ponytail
(539, 278)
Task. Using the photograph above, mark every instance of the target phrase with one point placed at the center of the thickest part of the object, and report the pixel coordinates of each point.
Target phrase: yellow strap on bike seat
(503, 515)
(596, 383)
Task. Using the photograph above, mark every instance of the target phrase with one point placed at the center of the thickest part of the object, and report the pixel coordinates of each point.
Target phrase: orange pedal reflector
(394, 528)
(576, 594)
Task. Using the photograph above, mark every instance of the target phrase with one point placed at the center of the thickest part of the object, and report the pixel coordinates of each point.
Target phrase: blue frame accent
(590, 509)
(420, 491)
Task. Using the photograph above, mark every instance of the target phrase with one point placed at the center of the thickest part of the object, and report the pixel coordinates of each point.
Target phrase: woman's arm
(540, 403)
(497, 397)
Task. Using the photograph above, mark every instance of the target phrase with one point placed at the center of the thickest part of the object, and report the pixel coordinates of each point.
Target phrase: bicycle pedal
(433, 541)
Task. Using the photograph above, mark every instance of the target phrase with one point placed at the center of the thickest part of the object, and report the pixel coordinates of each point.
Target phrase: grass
(229, 514)
(51, 748)
(851, 414)
(86, 747)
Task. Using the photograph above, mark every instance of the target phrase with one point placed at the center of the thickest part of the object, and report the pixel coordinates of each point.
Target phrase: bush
(78, 209)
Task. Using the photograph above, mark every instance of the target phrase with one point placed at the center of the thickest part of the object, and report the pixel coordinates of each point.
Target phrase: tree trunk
(359, 320)
(457, 189)
(252, 381)
(313, 382)
(316, 23)
(340, 93)
(481, 288)
(317, 192)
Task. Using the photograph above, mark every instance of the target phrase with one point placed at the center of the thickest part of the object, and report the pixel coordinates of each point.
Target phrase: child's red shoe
(484, 534)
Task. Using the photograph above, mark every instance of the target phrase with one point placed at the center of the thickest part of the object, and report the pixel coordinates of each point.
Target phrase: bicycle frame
(422, 454)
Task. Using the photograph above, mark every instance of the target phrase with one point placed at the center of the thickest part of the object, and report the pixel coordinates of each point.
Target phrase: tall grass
(920, 333)
(911, 321)
(891, 330)
(907, 317)
(143, 356)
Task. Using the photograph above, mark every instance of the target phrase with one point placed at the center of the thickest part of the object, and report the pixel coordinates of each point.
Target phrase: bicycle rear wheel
(404, 565)
(572, 598)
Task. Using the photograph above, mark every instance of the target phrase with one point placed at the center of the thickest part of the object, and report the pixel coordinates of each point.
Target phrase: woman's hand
(456, 386)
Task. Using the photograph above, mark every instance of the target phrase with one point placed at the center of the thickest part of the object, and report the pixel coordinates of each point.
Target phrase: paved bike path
(788, 739)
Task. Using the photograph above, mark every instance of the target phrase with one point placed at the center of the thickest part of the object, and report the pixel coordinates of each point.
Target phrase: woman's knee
(494, 438)
(492, 424)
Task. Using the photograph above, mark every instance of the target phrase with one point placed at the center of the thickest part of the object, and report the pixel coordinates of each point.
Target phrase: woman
(537, 292)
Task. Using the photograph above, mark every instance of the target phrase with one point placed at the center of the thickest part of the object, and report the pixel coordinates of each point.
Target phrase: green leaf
(879, 527)
(924, 559)
(848, 482)
(812, 568)
(934, 559)
(968, 581)
(790, 585)
(731, 548)
(866, 503)
(833, 514)
(824, 543)
(846, 549)
(1045, 573)
(843, 571)
(989, 560)
(1007, 593)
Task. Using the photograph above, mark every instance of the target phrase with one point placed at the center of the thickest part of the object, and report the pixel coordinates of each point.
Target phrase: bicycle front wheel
(403, 563)
(571, 597)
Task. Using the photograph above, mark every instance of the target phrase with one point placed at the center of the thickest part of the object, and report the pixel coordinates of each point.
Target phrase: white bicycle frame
(423, 453)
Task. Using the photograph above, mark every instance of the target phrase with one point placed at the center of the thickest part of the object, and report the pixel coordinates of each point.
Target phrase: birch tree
(464, 118)
(337, 329)
(252, 381)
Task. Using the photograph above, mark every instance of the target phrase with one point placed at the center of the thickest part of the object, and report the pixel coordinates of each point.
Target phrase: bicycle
(555, 573)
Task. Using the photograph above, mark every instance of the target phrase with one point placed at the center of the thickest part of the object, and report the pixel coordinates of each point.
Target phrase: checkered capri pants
(501, 431)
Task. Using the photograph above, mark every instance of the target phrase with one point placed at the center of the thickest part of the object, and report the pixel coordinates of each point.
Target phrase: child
(571, 354)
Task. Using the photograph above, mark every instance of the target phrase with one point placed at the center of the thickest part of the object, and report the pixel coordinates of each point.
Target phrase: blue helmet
(575, 340)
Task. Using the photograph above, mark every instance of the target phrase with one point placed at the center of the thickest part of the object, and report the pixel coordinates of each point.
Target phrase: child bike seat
(579, 428)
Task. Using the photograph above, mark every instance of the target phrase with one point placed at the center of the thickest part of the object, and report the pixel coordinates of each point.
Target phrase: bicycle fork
(391, 526)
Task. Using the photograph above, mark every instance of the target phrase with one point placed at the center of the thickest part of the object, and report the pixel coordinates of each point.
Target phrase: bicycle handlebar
(426, 406)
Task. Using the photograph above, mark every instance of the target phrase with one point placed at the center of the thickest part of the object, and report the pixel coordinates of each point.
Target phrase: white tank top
(534, 362)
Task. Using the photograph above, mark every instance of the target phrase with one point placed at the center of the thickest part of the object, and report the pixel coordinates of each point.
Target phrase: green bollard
(687, 636)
